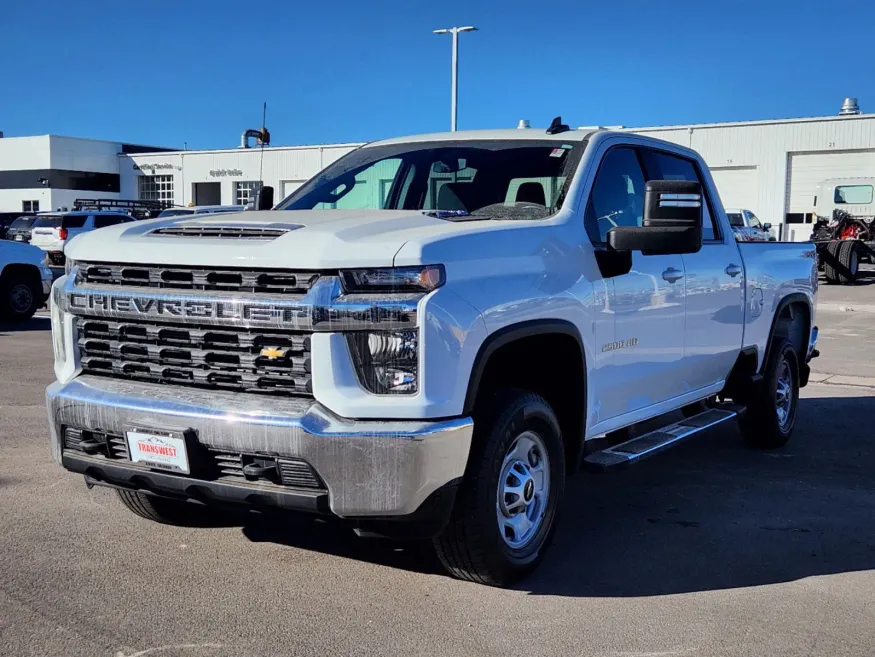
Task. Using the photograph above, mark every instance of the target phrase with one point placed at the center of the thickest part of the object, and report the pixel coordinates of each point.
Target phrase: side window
(617, 196)
(74, 221)
(103, 220)
(754, 222)
(663, 166)
(853, 194)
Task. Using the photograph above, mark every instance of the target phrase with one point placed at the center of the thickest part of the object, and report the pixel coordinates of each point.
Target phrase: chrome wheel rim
(22, 298)
(523, 490)
(854, 264)
(784, 394)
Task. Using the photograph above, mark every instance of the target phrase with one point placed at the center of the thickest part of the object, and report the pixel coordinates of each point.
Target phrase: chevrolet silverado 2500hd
(425, 338)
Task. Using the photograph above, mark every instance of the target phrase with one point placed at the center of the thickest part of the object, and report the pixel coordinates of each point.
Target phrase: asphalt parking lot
(710, 549)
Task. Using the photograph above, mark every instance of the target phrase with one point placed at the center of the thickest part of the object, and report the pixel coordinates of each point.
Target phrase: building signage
(154, 167)
(222, 173)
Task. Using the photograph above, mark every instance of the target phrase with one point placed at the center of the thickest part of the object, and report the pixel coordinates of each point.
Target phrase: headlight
(393, 279)
(68, 266)
(387, 362)
(59, 342)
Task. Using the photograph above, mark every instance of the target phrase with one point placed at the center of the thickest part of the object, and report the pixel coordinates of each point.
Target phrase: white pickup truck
(25, 280)
(426, 338)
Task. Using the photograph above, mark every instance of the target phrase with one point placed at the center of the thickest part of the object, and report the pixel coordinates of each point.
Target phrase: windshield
(508, 179)
(735, 219)
(22, 222)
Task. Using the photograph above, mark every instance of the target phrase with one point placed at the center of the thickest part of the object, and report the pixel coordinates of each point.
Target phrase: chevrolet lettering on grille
(197, 309)
(323, 308)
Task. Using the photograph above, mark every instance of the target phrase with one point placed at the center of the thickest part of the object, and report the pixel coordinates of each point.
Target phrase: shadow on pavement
(710, 514)
(33, 324)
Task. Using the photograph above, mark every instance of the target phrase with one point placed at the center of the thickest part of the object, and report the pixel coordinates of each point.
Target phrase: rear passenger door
(640, 365)
(714, 278)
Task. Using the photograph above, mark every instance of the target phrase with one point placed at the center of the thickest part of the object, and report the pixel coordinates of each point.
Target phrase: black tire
(167, 511)
(21, 295)
(472, 547)
(763, 426)
(849, 262)
(830, 261)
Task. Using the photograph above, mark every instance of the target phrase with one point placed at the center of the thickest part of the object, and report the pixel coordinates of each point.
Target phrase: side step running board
(641, 447)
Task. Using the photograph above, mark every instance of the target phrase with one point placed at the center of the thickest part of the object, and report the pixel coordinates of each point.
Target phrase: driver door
(643, 366)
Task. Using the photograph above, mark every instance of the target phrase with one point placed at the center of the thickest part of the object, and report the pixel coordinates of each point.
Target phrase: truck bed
(774, 271)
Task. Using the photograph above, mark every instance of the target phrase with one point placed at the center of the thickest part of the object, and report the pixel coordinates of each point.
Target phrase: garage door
(738, 187)
(291, 185)
(806, 170)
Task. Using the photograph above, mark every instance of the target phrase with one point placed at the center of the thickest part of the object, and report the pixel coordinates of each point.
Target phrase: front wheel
(20, 297)
(506, 509)
(167, 511)
(771, 413)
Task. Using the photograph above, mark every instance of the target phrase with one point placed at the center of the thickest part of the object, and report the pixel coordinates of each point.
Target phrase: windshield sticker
(557, 152)
(567, 146)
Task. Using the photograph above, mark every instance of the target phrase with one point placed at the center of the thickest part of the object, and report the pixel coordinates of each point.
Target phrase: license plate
(162, 451)
(19, 238)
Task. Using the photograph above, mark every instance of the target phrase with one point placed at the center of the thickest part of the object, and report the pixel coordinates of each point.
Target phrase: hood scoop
(233, 231)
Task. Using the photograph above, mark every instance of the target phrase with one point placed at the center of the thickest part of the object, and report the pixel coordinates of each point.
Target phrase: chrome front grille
(244, 360)
(274, 281)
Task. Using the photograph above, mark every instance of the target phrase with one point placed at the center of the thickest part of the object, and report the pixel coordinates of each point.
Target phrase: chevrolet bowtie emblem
(273, 353)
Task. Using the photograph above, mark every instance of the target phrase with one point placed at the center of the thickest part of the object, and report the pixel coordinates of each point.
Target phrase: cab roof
(507, 134)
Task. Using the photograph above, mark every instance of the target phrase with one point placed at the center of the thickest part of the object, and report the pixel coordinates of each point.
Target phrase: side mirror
(264, 198)
(672, 221)
(767, 226)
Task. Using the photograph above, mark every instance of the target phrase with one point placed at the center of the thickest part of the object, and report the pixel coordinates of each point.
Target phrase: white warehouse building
(770, 167)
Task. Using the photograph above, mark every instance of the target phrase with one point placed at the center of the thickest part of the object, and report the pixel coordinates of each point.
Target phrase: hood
(18, 252)
(305, 239)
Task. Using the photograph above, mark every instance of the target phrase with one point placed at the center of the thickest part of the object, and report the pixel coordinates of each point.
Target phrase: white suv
(52, 231)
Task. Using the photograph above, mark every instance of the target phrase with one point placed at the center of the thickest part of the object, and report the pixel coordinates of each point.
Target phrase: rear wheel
(771, 412)
(506, 509)
(20, 296)
(167, 511)
(830, 261)
(849, 262)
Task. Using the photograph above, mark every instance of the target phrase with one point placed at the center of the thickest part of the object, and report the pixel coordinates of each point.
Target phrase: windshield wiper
(446, 214)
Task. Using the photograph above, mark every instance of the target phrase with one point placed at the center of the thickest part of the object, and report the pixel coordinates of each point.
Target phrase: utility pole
(454, 92)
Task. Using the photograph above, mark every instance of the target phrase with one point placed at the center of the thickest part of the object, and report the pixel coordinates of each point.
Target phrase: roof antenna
(556, 126)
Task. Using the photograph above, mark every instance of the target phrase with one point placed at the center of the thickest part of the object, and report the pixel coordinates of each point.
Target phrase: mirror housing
(767, 226)
(672, 221)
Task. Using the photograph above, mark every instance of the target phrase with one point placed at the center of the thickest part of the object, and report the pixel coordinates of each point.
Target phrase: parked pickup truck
(25, 281)
(427, 338)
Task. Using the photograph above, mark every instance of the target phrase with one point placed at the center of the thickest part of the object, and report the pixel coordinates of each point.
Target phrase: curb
(849, 307)
(842, 380)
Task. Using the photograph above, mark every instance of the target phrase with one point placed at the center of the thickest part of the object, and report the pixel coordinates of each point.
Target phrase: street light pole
(454, 93)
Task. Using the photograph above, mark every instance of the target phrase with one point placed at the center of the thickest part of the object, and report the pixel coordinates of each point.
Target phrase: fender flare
(508, 334)
(790, 299)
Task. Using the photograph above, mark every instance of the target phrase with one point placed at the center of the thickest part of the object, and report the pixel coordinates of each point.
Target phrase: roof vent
(523, 124)
(849, 107)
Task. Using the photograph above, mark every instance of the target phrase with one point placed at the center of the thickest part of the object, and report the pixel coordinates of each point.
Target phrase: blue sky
(164, 73)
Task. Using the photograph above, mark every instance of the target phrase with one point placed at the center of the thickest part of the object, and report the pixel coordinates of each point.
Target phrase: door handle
(671, 274)
(733, 270)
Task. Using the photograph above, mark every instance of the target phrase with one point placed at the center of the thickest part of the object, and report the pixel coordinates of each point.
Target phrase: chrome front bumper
(370, 468)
